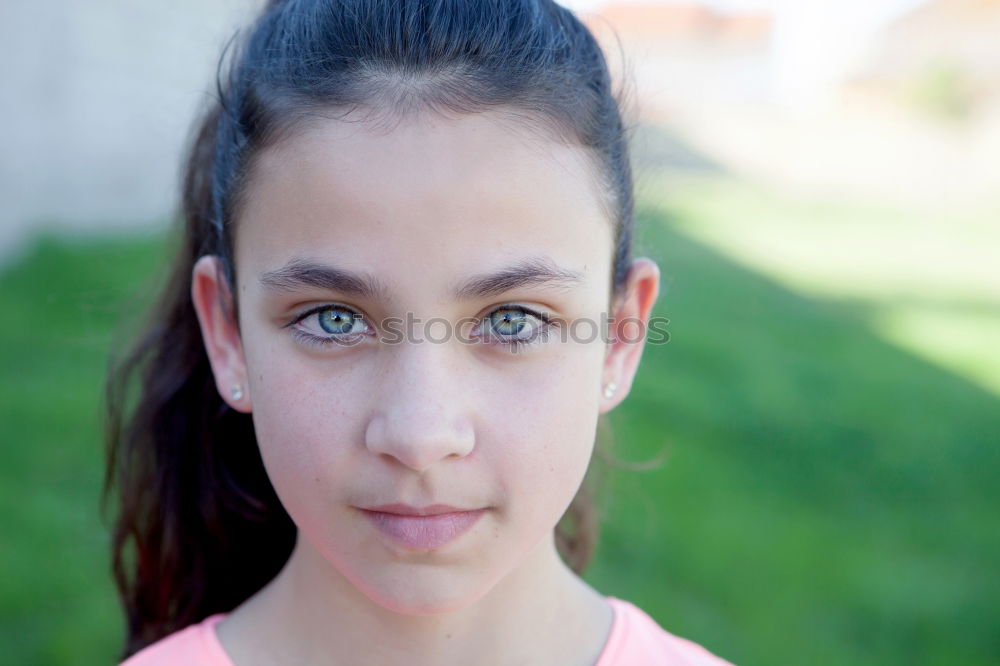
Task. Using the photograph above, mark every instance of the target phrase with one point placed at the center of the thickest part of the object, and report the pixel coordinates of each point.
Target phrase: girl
(370, 392)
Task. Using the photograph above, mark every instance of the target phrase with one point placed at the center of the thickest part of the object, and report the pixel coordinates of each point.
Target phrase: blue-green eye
(509, 322)
(515, 327)
(331, 324)
(337, 321)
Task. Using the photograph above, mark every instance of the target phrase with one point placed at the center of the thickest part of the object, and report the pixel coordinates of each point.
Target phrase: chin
(421, 600)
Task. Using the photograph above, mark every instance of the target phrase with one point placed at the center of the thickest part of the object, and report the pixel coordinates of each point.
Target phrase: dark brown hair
(198, 528)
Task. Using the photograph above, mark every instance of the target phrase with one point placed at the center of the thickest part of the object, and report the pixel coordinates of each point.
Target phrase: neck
(541, 612)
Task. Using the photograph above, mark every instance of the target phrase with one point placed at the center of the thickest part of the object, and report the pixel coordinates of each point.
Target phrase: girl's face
(383, 280)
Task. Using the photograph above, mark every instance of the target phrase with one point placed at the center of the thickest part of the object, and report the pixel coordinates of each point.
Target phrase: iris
(509, 321)
(336, 321)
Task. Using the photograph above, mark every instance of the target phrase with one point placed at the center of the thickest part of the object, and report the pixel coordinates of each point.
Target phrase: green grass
(827, 496)
(61, 304)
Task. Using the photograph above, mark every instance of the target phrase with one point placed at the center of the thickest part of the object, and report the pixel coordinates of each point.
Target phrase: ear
(220, 332)
(630, 322)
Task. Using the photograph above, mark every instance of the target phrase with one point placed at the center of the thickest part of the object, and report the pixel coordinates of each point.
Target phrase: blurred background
(820, 183)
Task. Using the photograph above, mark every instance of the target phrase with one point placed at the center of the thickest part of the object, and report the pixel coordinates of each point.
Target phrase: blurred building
(943, 57)
(789, 100)
(676, 53)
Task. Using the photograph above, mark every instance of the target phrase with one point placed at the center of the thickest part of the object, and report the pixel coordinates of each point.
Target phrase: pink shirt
(636, 640)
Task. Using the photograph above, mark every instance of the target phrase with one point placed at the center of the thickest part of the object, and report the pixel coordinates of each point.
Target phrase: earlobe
(628, 333)
(220, 331)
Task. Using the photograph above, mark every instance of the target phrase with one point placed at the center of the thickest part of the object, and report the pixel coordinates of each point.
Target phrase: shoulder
(636, 639)
(196, 645)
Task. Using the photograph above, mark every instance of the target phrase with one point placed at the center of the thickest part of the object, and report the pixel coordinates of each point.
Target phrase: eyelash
(513, 345)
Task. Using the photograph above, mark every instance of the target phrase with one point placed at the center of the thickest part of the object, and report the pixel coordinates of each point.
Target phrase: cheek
(302, 416)
(546, 429)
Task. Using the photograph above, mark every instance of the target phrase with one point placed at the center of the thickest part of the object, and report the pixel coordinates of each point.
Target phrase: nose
(422, 415)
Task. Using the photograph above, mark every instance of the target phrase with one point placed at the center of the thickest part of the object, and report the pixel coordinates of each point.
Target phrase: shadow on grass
(826, 498)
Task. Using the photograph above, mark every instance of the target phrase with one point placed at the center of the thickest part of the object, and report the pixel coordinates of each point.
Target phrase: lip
(426, 531)
(407, 510)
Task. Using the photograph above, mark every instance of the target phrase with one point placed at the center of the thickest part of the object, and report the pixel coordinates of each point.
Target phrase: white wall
(97, 97)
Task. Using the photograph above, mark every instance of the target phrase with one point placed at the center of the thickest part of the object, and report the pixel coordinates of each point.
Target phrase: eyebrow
(527, 272)
(299, 273)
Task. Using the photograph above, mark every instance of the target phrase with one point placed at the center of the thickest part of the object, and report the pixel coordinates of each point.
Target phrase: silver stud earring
(610, 389)
(237, 392)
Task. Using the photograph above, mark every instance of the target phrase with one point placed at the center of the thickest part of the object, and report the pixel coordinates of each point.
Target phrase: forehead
(449, 192)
